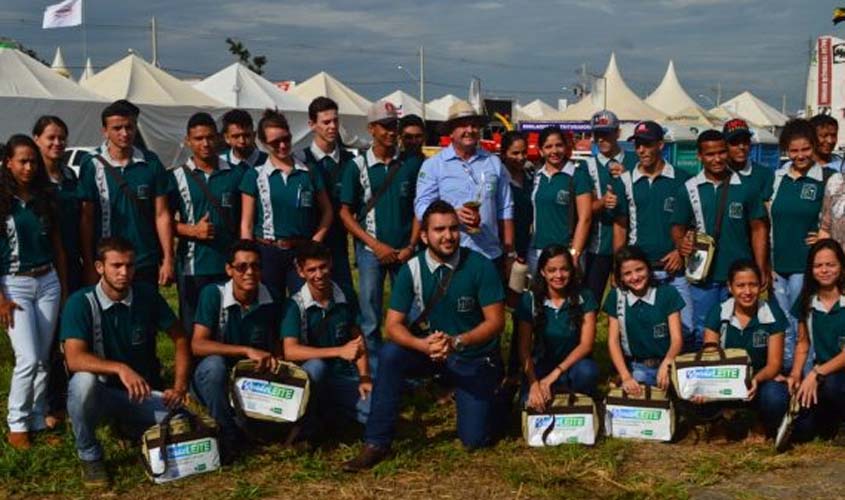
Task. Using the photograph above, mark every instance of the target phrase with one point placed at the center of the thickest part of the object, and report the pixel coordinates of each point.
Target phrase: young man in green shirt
(738, 137)
(235, 319)
(239, 134)
(327, 157)
(743, 233)
(207, 199)
(457, 333)
(378, 210)
(124, 192)
(109, 334)
(412, 136)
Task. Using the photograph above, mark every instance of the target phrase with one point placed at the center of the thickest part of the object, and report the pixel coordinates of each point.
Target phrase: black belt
(648, 362)
(35, 272)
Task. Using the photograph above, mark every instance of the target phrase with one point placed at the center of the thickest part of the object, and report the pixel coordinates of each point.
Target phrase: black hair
(410, 121)
(571, 292)
(312, 250)
(436, 207)
(45, 121)
(628, 253)
(824, 120)
(550, 131)
(44, 202)
(709, 135)
(242, 246)
(510, 137)
(237, 117)
(201, 119)
(122, 108)
(117, 244)
(743, 265)
(811, 286)
(319, 105)
(798, 128)
(271, 119)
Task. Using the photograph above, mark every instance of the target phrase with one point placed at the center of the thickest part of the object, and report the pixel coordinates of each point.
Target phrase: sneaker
(19, 440)
(369, 456)
(94, 474)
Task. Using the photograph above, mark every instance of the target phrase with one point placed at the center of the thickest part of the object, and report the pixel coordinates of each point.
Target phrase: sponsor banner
(185, 459)
(633, 422)
(271, 399)
(572, 428)
(723, 382)
(825, 70)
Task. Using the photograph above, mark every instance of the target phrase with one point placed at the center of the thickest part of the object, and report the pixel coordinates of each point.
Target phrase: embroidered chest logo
(341, 332)
(669, 204)
(660, 331)
(143, 192)
(138, 335)
(466, 304)
(226, 199)
(735, 210)
(405, 189)
(306, 199)
(808, 192)
(841, 343)
(760, 339)
(562, 197)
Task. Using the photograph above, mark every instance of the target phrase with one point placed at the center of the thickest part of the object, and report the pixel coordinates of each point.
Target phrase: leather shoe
(369, 456)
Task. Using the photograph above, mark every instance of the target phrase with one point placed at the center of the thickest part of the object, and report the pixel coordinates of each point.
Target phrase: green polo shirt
(475, 284)
(203, 257)
(551, 198)
(256, 158)
(331, 168)
(560, 335)
(795, 207)
(646, 329)
(25, 244)
(759, 179)
(117, 215)
(391, 219)
(254, 326)
(523, 213)
(122, 331)
(285, 206)
(67, 191)
(754, 338)
(601, 232)
(827, 328)
(648, 205)
(303, 318)
(742, 207)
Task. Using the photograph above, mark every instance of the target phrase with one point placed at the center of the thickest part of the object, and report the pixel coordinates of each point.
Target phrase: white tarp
(670, 97)
(756, 112)
(352, 106)
(440, 107)
(536, 110)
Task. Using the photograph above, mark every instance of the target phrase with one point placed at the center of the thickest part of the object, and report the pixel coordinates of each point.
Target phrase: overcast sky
(525, 49)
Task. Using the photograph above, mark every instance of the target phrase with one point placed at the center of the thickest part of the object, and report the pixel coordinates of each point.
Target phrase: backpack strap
(628, 182)
(97, 328)
(223, 316)
(621, 306)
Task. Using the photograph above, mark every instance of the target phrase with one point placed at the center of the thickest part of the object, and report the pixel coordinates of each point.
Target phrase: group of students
(240, 231)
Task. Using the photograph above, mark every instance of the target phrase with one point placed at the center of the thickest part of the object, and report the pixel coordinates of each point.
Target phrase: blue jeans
(278, 269)
(334, 396)
(824, 418)
(31, 339)
(582, 377)
(371, 276)
(643, 374)
(771, 403)
(475, 381)
(90, 401)
(787, 288)
(704, 298)
(679, 282)
(209, 384)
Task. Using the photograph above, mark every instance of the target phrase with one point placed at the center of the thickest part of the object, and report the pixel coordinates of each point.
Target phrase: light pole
(420, 78)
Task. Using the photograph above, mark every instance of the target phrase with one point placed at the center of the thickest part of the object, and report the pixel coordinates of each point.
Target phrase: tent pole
(84, 31)
(422, 81)
(154, 37)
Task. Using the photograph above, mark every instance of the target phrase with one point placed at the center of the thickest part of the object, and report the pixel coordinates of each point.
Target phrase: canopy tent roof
(694, 117)
(59, 65)
(88, 72)
(618, 97)
(23, 76)
(324, 84)
(140, 82)
(670, 97)
(536, 110)
(238, 86)
(440, 106)
(754, 110)
(407, 104)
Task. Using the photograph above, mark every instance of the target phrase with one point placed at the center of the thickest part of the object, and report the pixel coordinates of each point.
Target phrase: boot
(19, 440)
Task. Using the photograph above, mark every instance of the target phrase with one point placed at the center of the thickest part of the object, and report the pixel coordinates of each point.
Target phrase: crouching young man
(237, 319)
(461, 298)
(321, 330)
(109, 334)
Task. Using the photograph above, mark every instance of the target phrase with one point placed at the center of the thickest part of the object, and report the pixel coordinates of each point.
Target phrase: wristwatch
(512, 254)
(458, 344)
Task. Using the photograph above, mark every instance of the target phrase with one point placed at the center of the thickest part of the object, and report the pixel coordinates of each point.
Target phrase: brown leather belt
(284, 243)
(35, 272)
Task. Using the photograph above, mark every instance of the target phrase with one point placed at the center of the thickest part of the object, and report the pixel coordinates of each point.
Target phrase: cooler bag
(277, 396)
(649, 415)
(571, 418)
(715, 373)
(182, 445)
(701, 259)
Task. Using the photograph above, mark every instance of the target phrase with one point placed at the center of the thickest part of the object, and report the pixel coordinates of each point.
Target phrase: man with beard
(456, 334)
(109, 334)
(412, 135)
(239, 134)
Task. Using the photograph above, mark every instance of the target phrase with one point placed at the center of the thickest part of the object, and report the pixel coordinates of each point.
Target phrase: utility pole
(718, 93)
(154, 36)
(783, 104)
(422, 81)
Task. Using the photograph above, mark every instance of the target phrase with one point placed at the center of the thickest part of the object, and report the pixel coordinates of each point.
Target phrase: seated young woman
(557, 327)
(644, 323)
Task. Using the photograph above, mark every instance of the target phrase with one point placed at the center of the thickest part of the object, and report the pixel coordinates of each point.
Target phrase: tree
(237, 48)
(11, 43)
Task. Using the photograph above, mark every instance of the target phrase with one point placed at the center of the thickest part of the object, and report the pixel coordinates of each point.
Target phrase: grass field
(429, 462)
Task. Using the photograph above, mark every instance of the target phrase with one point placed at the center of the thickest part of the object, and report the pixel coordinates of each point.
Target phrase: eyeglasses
(276, 142)
(243, 267)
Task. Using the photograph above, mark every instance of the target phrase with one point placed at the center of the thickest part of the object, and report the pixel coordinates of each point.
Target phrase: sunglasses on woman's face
(278, 141)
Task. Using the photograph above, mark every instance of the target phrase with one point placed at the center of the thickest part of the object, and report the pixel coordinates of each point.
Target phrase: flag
(838, 15)
(63, 14)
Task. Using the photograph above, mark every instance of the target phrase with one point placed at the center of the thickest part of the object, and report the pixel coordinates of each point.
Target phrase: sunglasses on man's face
(243, 267)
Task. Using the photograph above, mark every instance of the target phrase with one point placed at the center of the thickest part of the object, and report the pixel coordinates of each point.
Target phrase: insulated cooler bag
(650, 415)
(717, 374)
(571, 418)
(182, 445)
(278, 396)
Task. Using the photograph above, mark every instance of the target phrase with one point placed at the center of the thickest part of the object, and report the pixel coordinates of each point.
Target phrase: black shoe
(369, 456)
(94, 474)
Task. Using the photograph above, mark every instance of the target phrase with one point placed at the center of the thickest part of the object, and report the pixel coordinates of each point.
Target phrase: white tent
(611, 92)
(59, 65)
(352, 106)
(536, 110)
(29, 89)
(670, 97)
(748, 106)
(237, 86)
(693, 117)
(440, 106)
(88, 72)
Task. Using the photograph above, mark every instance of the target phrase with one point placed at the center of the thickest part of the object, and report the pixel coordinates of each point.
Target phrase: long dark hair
(42, 190)
(811, 286)
(571, 292)
(629, 253)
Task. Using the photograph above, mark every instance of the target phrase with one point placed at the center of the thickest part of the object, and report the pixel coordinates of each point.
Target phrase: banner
(63, 15)
(826, 82)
